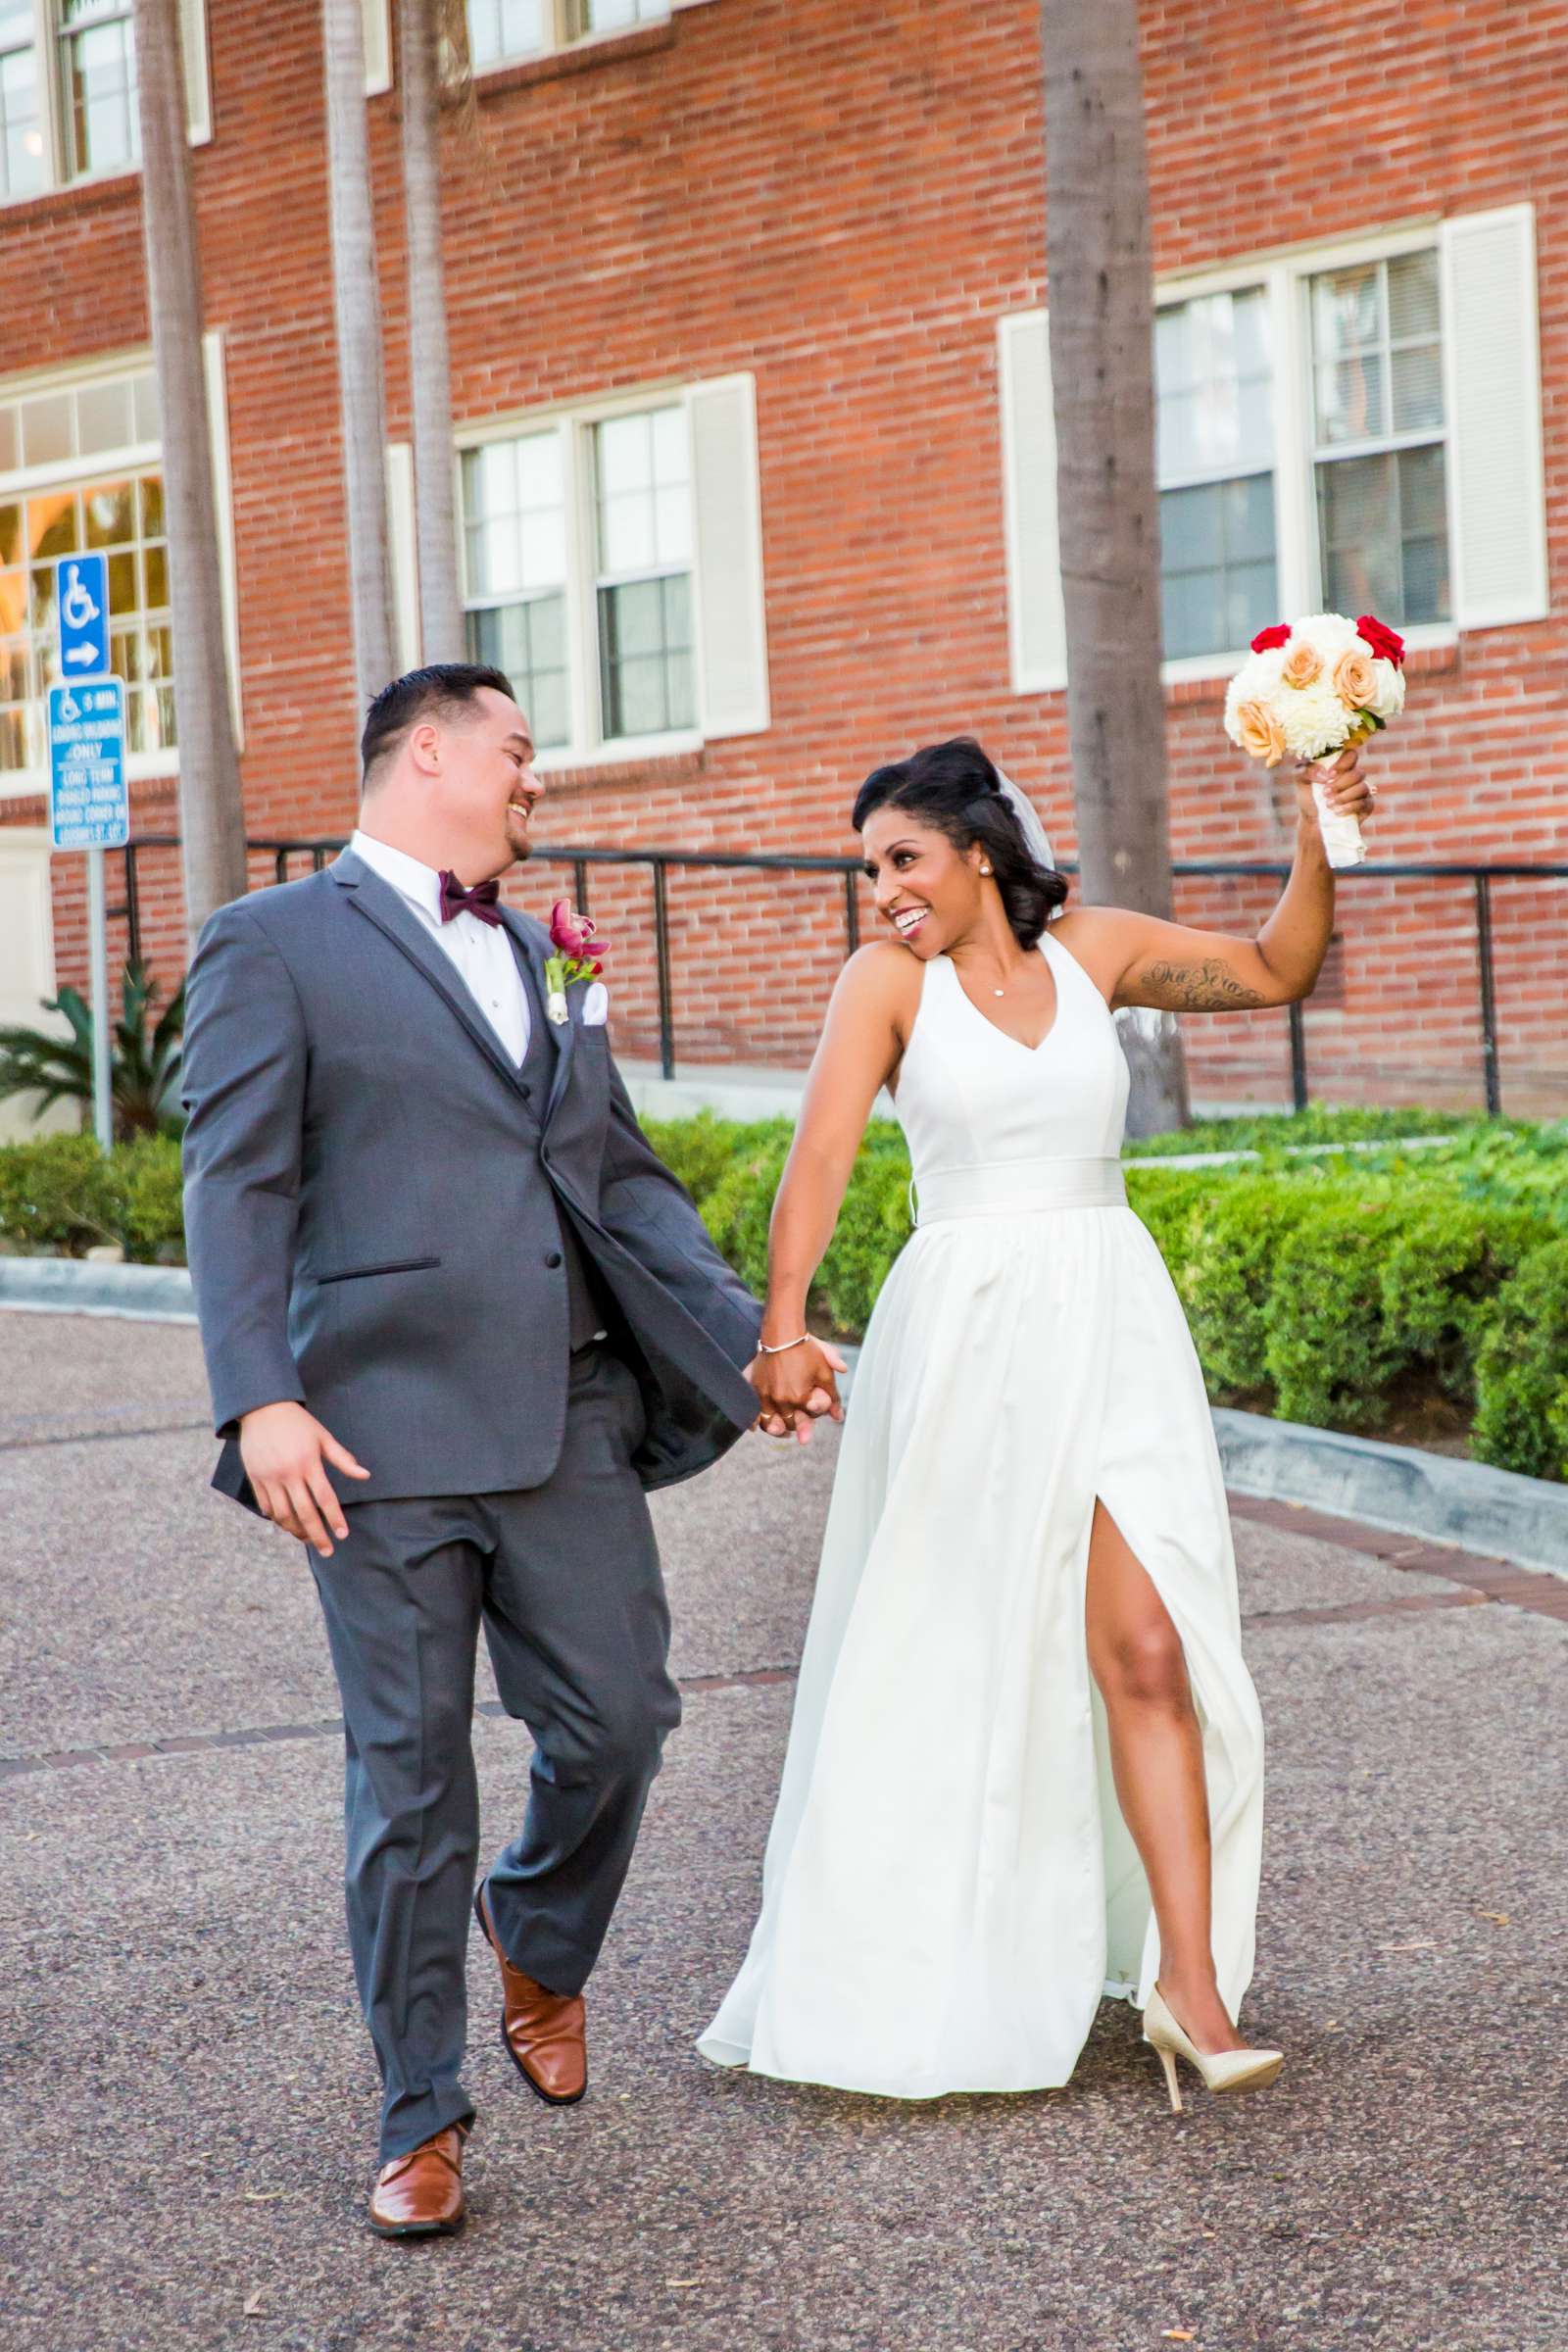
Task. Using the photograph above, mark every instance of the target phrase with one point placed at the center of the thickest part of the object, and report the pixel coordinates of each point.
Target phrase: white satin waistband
(1017, 1188)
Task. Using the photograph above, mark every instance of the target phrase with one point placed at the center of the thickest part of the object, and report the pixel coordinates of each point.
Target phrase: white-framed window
(67, 90)
(613, 567)
(502, 33)
(1353, 428)
(80, 472)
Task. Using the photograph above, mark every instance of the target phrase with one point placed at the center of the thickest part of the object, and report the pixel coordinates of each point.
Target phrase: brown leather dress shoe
(545, 2033)
(420, 2194)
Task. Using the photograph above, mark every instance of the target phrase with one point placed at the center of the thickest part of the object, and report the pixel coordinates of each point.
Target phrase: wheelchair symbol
(70, 709)
(76, 605)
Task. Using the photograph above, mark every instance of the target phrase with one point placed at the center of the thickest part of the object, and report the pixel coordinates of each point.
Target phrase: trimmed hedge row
(1317, 1289)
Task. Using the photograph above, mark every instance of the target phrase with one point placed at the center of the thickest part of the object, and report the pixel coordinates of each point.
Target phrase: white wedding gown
(950, 1887)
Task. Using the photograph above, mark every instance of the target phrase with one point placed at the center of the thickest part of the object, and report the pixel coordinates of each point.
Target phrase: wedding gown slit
(950, 1887)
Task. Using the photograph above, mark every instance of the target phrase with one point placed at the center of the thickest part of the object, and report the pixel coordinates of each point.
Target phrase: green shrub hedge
(1321, 1289)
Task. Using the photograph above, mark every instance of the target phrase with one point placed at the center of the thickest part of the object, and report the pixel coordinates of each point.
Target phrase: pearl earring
(985, 870)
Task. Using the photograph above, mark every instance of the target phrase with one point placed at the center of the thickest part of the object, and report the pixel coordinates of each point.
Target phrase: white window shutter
(1037, 634)
(727, 517)
(1492, 365)
(215, 371)
(403, 553)
(378, 47)
(198, 76)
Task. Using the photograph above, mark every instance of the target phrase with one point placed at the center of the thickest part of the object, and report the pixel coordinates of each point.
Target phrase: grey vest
(589, 1315)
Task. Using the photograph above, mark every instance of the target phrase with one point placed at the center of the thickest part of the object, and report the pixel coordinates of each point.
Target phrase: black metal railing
(660, 862)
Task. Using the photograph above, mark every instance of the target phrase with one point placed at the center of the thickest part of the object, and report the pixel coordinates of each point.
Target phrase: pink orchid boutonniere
(579, 956)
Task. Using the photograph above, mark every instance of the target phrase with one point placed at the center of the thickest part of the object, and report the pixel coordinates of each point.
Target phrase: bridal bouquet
(1314, 688)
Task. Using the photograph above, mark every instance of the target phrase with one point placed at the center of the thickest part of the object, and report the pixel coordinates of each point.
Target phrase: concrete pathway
(190, 2100)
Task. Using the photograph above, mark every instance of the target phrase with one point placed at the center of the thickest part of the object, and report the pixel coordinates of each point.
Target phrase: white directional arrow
(85, 657)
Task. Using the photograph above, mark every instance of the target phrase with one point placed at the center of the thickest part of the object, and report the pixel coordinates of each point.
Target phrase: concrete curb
(72, 1285)
(1495, 1512)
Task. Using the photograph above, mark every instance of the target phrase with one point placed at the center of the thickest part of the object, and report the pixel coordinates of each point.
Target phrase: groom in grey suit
(456, 1316)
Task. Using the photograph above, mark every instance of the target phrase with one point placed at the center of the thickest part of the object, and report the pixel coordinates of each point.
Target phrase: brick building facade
(754, 457)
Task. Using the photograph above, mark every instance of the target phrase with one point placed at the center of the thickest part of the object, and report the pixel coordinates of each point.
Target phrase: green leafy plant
(1522, 1371)
(144, 1057)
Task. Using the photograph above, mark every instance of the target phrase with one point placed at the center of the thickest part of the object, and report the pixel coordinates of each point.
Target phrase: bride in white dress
(1025, 1767)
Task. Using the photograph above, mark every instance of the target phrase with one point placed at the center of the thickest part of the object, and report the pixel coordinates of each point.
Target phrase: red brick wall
(843, 200)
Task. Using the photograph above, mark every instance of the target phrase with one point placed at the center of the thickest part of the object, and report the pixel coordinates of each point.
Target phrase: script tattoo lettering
(1194, 988)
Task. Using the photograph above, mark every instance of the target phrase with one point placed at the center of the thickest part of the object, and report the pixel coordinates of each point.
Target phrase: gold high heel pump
(1221, 2070)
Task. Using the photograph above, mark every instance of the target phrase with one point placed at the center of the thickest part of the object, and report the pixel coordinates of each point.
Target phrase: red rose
(1387, 644)
(1279, 634)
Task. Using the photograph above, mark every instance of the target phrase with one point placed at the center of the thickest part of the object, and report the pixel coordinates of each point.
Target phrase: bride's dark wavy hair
(954, 788)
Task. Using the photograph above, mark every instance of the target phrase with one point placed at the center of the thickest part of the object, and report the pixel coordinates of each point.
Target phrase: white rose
(1313, 720)
(1388, 699)
(1329, 632)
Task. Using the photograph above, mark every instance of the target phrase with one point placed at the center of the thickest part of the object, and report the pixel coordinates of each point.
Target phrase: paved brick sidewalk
(190, 2098)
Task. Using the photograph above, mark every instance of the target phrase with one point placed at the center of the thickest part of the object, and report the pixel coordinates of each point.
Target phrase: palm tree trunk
(429, 361)
(361, 384)
(1100, 294)
(212, 815)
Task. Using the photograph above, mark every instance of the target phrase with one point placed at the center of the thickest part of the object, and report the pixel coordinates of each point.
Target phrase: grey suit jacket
(373, 1200)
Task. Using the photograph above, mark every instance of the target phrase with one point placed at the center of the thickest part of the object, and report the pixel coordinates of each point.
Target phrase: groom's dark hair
(441, 690)
(954, 787)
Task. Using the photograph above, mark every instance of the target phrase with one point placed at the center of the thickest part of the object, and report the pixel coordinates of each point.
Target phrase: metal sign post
(90, 809)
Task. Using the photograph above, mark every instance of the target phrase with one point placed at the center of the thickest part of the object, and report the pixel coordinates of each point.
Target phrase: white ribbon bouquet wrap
(1311, 689)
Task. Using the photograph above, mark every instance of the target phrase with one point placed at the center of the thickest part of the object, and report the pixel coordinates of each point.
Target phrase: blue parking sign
(81, 600)
(89, 804)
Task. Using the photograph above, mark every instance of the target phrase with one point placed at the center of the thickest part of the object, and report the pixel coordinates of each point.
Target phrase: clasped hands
(796, 1386)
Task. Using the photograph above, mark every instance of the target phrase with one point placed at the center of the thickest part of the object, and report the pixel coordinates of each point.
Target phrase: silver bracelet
(788, 1345)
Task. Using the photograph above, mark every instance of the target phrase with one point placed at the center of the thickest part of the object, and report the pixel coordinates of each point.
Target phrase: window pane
(1413, 297)
(48, 430)
(22, 152)
(99, 70)
(627, 535)
(111, 514)
(10, 537)
(10, 439)
(1347, 310)
(144, 397)
(513, 498)
(610, 16)
(644, 657)
(528, 642)
(1358, 528)
(103, 416)
(1424, 526)
(1417, 389)
(625, 454)
(1350, 400)
(1215, 385)
(503, 29)
(54, 524)
(1217, 543)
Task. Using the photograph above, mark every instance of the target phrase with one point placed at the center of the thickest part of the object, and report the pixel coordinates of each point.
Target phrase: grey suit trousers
(565, 1579)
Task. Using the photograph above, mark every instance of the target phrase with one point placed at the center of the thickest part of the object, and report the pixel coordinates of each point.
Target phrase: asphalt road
(190, 2100)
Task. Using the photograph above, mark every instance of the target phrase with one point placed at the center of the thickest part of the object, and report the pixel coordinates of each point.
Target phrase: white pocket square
(596, 1006)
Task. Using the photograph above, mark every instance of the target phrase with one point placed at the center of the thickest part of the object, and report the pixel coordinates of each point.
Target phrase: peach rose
(1261, 736)
(1302, 663)
(1355, 680)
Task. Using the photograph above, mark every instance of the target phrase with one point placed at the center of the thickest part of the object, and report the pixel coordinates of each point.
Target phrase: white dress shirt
(481, 952)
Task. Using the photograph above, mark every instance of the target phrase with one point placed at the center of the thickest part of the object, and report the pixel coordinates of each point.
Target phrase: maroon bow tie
(479, 901)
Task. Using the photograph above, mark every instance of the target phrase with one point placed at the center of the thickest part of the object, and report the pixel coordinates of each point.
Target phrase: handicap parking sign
(81, 594)
(89, 804)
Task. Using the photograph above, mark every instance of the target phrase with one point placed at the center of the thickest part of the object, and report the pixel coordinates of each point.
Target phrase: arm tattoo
(1208, 987)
